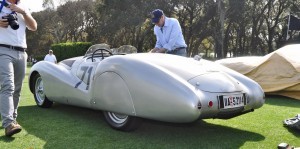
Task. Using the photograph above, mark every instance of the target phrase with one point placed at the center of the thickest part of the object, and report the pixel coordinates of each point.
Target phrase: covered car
(278, 72)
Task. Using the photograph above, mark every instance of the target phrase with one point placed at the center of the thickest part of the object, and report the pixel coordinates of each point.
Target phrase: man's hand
(154, 50)
(14, 7)
(29, 20)
(161, 50)
(3, 23)
(158, 50)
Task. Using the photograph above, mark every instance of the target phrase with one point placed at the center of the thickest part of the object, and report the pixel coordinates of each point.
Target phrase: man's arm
(175, 33)
(158, 44)
(29, 20)
(55, 59)
(46, 57)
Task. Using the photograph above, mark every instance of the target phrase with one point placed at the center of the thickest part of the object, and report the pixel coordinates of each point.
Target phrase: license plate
(232, 101)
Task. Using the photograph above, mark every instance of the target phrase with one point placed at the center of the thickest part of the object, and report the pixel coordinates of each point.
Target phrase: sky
(36, 5)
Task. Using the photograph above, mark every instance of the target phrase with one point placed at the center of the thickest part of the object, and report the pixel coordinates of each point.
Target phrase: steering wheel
(102, 53)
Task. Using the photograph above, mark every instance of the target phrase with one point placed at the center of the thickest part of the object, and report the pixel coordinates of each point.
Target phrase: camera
(12, 20)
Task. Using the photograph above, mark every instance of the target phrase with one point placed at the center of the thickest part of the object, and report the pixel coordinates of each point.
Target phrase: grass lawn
(63, 126)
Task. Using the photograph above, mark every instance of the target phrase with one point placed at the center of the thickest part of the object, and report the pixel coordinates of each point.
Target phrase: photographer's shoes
(12, 129)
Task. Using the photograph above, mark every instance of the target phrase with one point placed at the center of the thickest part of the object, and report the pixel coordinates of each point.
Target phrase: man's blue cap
(156, 14)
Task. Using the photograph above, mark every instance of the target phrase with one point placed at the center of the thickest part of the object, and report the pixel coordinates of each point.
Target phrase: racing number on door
(86, 70)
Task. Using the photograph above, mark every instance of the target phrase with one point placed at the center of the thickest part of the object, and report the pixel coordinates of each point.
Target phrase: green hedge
(71, 49)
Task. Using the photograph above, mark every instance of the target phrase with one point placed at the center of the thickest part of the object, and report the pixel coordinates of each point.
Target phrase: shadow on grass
(285, 102)
(6, 139)
(66, 126)
(294, 131)
(282, 101)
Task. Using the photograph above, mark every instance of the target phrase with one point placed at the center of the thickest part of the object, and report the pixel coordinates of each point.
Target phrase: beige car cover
(278, 72)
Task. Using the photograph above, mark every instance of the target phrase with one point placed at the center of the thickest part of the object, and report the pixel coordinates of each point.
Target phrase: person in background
(50, 57)
(169, 37)
(34, 61)
(14, 19)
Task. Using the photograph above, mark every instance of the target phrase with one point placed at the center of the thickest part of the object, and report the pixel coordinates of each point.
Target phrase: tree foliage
(250, 27)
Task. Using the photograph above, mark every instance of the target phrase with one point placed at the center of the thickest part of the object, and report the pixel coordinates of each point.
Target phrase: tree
(250, 27)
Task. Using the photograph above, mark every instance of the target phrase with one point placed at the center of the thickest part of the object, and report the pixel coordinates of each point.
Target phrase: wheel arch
(30, 80)
(110, 92)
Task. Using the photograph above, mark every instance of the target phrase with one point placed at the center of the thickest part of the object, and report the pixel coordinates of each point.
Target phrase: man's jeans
(12, 72)
(179, 51)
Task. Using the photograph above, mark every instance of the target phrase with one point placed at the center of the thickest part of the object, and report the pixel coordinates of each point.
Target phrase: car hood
(186, 68)
(203, 74)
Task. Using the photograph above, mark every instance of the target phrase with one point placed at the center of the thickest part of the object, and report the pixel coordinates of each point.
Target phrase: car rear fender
(143, 89)
(253, 89)
(110, 93)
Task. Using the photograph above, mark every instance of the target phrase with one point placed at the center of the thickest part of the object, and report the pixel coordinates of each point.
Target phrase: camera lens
(12, 21)
(14, 24)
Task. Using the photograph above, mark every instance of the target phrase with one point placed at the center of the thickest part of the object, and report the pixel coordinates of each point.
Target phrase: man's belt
(180, 48)
(13, 47)
(175, 50)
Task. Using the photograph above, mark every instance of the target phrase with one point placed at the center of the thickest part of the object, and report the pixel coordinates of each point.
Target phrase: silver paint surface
(155, 86)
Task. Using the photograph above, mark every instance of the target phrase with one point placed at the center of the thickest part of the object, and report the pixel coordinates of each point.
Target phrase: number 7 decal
(85, 70)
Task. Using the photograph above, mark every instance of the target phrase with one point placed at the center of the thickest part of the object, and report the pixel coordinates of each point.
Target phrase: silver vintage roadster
(136, 86)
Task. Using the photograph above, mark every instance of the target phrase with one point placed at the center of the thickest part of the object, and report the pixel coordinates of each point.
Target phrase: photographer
(14, 19)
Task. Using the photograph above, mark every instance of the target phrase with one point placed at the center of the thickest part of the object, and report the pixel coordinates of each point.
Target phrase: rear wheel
(122, 122)
(39, 95)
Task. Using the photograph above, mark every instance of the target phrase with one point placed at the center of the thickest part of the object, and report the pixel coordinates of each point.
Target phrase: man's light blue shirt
(170, 35)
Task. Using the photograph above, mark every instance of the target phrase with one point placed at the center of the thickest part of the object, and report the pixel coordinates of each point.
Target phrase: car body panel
(155, 86)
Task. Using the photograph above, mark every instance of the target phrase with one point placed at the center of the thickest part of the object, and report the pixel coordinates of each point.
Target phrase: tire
(122, 122)
(38, 92)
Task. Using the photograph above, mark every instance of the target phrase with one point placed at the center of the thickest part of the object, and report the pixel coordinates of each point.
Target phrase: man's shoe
(12, 129)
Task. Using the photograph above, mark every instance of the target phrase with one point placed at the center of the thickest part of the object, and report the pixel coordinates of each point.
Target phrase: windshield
(125, 49)
(95, 47)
